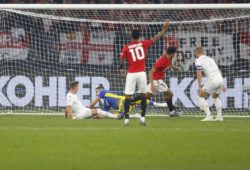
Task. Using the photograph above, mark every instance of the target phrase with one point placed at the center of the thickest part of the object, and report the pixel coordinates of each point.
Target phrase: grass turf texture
(50, 142)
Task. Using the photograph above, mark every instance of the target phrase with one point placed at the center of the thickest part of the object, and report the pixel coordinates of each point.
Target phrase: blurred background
(122, 1)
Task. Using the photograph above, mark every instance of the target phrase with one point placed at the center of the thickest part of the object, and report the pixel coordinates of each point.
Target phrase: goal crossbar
(53, 17)
(125, 6)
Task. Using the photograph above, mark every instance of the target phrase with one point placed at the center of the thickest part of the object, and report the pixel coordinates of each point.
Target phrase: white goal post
(43, 47)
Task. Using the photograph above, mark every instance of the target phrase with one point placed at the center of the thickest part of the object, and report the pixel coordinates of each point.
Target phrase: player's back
(208, 66)
(109, 98)
(160, 66)
(135, 52)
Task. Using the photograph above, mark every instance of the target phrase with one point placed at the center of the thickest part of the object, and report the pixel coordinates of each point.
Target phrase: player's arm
(199, 75)
(223, 87)
(94, 102)
(68, 112)
(199, 78)
(151, 72)
(174, 67)
(160, 34)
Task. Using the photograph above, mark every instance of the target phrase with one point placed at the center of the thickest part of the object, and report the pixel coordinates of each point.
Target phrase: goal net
(42, 50)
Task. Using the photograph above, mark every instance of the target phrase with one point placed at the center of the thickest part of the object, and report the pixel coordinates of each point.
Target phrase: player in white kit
(75, 110)
(214, 83)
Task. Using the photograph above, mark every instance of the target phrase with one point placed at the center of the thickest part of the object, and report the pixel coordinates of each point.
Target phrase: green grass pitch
(52, 143)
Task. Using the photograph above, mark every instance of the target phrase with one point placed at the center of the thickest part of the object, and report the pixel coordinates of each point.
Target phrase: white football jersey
(73, 101)
(208, 67)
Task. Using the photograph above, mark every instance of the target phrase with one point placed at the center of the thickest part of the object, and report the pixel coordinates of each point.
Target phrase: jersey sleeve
(147, 43)
(102, 94)
(123, 54)
(197, 65)
(69, 101)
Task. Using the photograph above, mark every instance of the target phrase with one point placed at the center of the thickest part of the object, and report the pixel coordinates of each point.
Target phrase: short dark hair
(100, 86)
(73, 84)
(171, 50)
(135, 34)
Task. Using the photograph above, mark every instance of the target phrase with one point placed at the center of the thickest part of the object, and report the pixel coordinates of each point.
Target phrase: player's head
(198, 51)
(99, 88)
(171, 51)
(135, 35)
(74, 86)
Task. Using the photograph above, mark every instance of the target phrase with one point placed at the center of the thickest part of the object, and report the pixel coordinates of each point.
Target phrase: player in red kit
(156, 77)
(135, 53)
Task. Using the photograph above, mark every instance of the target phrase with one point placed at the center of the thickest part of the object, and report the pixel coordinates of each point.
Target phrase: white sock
(106, 114)
(204, 106)
(218, 106)
(126, 121)
(142, 119)
(160, 104)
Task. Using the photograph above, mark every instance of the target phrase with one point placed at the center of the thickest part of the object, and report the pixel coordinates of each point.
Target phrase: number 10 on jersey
(137, 53)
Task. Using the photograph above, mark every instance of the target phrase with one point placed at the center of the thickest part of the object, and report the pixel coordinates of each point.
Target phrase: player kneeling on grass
(214, 84)
(156, 76)
(116, 102)
(75, 110)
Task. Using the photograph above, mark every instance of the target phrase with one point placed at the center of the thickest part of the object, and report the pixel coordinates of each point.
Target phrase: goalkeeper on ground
(75, 110)
(114, 101)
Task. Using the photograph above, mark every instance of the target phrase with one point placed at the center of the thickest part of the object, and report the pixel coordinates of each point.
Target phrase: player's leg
(218, 106)
(129, 91)
(127, 103)
(138, 97)
(203, 102)
(217, 102)
(142, 85)
(168, 95)
(149, 90)
(143, 107)
(86, 113)
(103, 113)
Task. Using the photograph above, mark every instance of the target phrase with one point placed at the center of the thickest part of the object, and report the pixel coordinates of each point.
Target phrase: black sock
(143, 106)
(170, 104)
(126, 108)
(136, 98)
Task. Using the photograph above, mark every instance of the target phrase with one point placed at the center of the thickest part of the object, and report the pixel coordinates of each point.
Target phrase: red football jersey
(135, 52)
(160, 66)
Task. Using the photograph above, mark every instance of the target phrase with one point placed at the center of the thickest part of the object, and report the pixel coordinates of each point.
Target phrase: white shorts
(133, 79)
(84, 114)
(213, 86)
(160, 85)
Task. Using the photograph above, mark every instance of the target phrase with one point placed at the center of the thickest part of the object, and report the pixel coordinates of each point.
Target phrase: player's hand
(223, 88)
(123, 72)
(176, 68)
(166, 25)
(153, 89)
(200, 91)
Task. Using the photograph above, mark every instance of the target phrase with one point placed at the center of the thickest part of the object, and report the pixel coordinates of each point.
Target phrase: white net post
(42, 50)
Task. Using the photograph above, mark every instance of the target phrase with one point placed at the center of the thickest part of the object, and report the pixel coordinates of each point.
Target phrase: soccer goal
(44, 47)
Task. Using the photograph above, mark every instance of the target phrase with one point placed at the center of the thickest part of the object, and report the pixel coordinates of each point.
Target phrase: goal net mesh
(41, 51)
